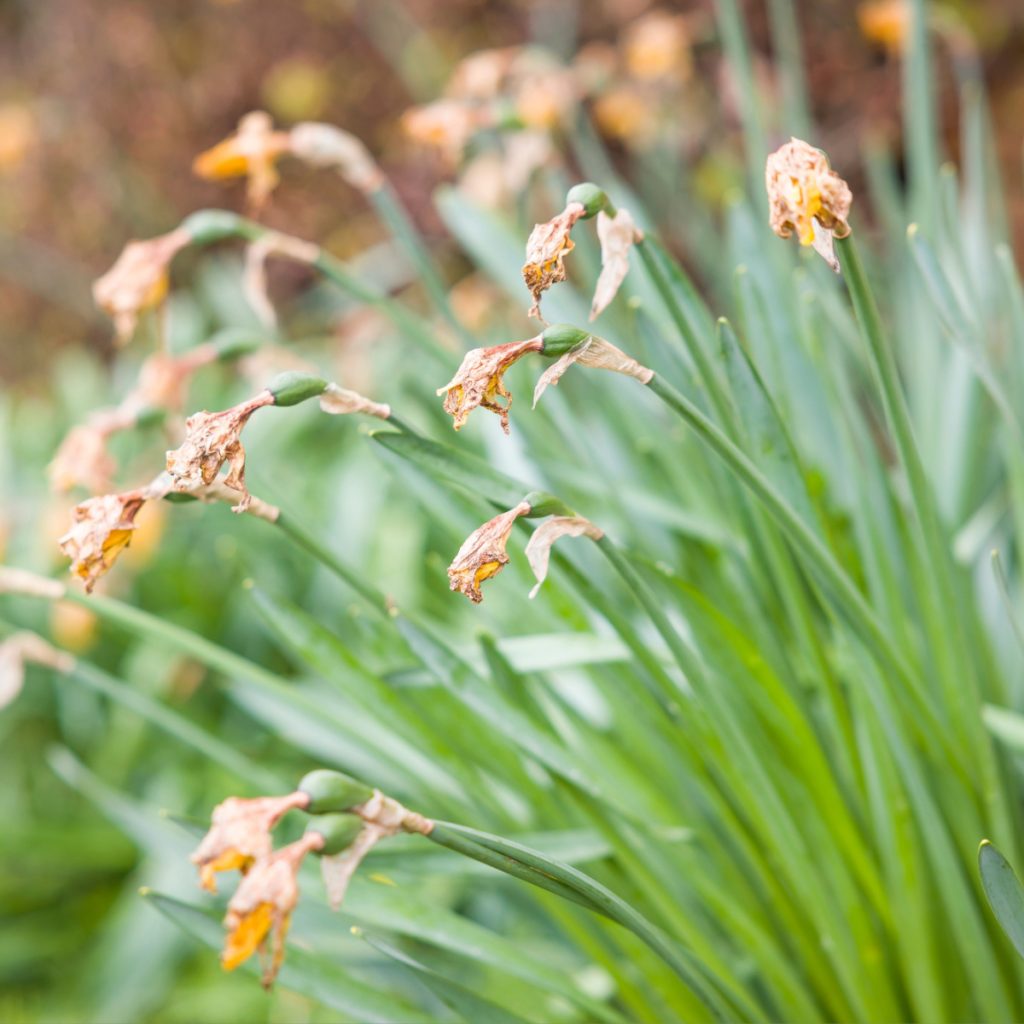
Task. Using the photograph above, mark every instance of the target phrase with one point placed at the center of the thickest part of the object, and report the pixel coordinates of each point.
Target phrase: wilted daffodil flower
(546, 248)
(101, 528)
(252, 152)
(805, 193)
(240, 834)
(478, 381)
(139, 280)
(483, 553)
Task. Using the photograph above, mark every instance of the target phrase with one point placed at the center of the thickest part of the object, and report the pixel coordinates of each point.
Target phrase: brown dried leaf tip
(138, 280)
(263, 905)
(478, 381)
(546, 248)
(239, 834)
(101, 528)
(483, 554)
(211, 439)
(802, 190)
(252, 152)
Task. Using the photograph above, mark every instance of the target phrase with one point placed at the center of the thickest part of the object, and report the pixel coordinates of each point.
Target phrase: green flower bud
(208, 226)
(292, 387)
(332, 791)
(561, 338)
(338, 831)
(235, 342)
(590, 197)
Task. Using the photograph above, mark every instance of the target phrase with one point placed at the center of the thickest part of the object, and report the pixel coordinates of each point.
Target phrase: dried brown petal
(23, 648)
(262, 907)
(803, 191)
(239, 834)
(478, 381)
(323, 145)
(211, 439)
(101, 529)
(483, 554)
(253, 151)
(339, 401)
(538, 549)
(599, 355)
(617, 234)
(138, 280)
(546, 249)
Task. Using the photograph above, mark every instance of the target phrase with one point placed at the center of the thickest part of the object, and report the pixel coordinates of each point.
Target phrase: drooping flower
(211, 439)
(803, 191)
(478, 381)
(538, 548)
(262, 907)
(599, 355)
(239, 834)
(138, 280)
(251, 152)
(658, 46)
(885, 22)
(101, 529)
(546, 248)
(483, 553)
(323, 145)
(617, 235)
(82, 458)
(163, 378)
(446, 125)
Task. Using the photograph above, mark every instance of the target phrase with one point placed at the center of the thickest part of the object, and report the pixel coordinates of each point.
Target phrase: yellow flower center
(243, 941)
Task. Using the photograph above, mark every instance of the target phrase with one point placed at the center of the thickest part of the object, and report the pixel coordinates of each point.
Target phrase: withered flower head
(163, 379)
(546, 249)
(211, 439)
(253, 152)
(885, 22)
(658, 46)
(239, 834)
(264, 903)
(483, 554)
(599, 355)
(101, 528)
(138, 280)
(323, 145)
(82, 457)
(446, 125)
(802, 190)
(538, 549)
(617, 235)
(483, 74)
(479, 381)
(23, 648)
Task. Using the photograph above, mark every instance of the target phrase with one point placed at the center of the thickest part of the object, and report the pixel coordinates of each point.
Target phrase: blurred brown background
(103, 104)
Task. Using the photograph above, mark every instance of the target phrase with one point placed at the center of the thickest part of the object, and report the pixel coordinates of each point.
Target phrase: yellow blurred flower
(885, 22)
(658, 46)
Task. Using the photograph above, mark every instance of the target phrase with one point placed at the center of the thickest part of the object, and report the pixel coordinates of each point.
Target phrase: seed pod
(293, 387)
(337, 831)
(561, 338)
(589, 196)
(330, 791)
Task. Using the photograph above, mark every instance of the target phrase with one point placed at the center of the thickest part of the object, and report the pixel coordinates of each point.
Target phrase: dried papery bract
(211, 439)
(101, 528)
(240, 834)
(138, 280)
(338, 401)
(618, 234)
(483, 553)
(804, 192)
(323, 145)
(262, 906)
(538, 549)
(254, 277)
(478, 381)
(546, 249)
(20, 649)
(599, 355)
(252, 152)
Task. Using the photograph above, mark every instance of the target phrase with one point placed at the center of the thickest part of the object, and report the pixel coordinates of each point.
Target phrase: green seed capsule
(331, 791)
(292, 387)
(208, 226)
(589, 196)
(338, 830)
(560, 338)
(543, 504)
